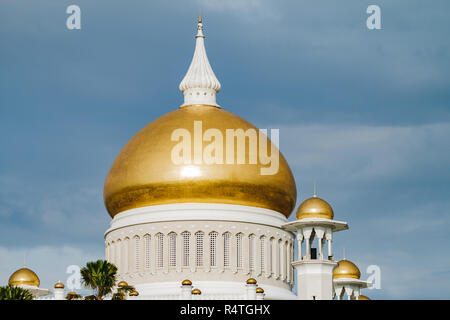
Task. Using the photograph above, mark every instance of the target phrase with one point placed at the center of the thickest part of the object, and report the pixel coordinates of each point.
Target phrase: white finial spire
(200, 84)
(343, 249)
(315, 190)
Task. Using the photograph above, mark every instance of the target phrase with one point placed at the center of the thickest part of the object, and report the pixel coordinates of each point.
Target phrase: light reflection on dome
(190, 171)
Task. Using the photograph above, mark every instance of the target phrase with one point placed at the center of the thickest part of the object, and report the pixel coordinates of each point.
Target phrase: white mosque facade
(216, 230)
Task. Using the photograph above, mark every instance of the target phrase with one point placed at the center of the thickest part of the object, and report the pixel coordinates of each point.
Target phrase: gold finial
(199, 16)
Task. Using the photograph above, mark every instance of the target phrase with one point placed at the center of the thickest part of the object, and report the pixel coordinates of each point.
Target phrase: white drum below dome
(157, 247)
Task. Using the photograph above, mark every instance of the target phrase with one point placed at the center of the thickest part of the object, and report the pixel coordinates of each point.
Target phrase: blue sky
(363, 113)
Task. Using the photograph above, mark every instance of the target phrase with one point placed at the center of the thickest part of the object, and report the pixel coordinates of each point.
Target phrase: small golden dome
(186, 282)
(134, 293)
(144, 174)
(251, 281)
(24, 276)
(196, 291)
(315, 208)
(122, 284)
(59, 285)
(259, 290)
(346, 269)
(72, 293)
(362, 297)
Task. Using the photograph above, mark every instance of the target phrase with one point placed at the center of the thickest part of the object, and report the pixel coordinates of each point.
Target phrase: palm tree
(15, 293)
(99, 275)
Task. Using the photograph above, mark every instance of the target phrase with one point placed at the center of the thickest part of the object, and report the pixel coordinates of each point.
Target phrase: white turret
(58, 293)
(200, 84)
(315, 266)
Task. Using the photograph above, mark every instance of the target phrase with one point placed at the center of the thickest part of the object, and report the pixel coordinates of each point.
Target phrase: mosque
(203, 228)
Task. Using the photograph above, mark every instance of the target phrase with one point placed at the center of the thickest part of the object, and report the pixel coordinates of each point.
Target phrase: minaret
(200, 84)
(314, 266)
(346, 279)
(58, 292)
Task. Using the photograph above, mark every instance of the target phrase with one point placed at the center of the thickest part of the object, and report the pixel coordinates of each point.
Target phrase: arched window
(147, 244)
(226, 249)
(199, 248)
(172, 249)
(137, 252)
(239, 250)
(251, 252)
(212, 248)
(186, 250)
(262, 243)
(159, 250)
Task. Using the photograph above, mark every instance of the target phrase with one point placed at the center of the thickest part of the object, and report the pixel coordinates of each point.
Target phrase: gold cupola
(24, 276)
(315, 207)
(144, 173)
(346, 269)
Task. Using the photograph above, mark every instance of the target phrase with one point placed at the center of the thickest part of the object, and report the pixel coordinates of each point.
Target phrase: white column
(119, 257)
(207, 252)
(166, 249)
(257, 250)
(245, 243)
(267, 257)
(299, 244)
(282, 260)
(220, 252)
(329, 237)
(288, 262)
(153, 253)
(307, 235)
(192, 252)
(179, 252)
(233, 253)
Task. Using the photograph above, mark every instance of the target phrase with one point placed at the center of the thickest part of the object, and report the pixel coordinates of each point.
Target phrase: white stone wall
(136, 250)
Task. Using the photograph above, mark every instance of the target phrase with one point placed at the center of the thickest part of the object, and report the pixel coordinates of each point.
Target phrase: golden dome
(144, 174)
(259, 290)
(186, 282)
(346, 269)
(24, 276)
(59, 285)
(196, 291)
(122, 284)
(362, 297)
(251, 281)
(134, 293)
(314, 208)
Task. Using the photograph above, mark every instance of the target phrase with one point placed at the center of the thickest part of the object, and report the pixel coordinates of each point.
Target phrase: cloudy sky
(364, 113)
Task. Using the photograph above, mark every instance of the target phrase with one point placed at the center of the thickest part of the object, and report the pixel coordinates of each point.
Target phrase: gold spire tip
(200, 16)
